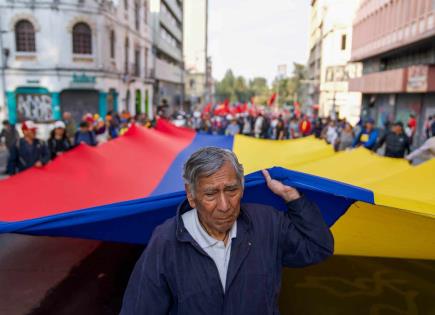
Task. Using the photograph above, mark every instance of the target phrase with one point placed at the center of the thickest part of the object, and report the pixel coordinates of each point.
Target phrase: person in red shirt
(412, 125)
(305, 127)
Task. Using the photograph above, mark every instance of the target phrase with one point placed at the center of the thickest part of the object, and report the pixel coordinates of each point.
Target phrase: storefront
(33, 103)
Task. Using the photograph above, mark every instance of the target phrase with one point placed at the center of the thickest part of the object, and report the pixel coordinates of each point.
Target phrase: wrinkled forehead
(226, 176)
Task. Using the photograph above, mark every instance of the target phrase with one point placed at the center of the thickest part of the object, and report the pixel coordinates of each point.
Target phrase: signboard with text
(417, 79)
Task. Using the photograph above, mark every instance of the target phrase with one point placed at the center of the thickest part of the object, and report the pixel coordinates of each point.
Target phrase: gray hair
(206, 162)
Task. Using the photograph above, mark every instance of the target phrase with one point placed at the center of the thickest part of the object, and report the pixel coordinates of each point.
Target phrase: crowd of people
(395, 139)
(28, 150)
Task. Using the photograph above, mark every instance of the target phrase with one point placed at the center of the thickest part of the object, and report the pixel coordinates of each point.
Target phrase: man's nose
(223, 203)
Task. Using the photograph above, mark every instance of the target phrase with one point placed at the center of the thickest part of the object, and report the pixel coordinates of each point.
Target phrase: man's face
(369, 126)
(29, 133)
(217, 199)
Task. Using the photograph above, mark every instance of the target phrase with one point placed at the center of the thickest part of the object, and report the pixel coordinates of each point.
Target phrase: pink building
(395, 40)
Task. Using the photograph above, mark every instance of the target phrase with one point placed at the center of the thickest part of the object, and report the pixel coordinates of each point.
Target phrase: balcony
(173, 5)
(168, 72)
(166, 21)
(172, 51)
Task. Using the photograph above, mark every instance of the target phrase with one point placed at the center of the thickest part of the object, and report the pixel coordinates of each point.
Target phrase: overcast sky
(253, 37)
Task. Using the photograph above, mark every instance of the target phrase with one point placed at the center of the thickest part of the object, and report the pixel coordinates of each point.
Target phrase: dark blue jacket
(87, 137)
(175, 276)
(25, 155)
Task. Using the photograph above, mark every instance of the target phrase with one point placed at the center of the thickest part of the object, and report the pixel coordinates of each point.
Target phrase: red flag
(206, 108)
(223, 109)
(271, 100)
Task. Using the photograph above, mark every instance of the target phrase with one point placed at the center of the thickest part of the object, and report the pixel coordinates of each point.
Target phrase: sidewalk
(31, 266)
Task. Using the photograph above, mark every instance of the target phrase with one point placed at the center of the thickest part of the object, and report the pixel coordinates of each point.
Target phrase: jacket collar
(244, 223)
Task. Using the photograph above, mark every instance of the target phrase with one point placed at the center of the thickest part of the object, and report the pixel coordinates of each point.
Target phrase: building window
(137, 62)
(112, 44)
(126, 49)
(136, 15)
(25, 36)
(145, 12)
(146, 63)
(82, 39)
(343, 42)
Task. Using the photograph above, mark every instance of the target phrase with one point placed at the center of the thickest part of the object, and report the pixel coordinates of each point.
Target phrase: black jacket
(396, 146)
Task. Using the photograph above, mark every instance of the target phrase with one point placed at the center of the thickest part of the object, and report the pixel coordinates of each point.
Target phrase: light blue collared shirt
(214, 248)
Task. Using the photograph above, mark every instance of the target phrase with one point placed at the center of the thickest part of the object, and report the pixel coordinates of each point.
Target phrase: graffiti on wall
(35, 107)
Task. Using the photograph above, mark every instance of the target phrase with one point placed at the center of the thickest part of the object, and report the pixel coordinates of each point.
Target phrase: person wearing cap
(30, 151)
(58, 143)
(11, 136)
(397, 143)
(367, 137)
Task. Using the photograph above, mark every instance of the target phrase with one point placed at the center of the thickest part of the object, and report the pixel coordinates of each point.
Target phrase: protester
(58, 143)
(29, 151)
(318, 127)
(233, 128)
(280, 129)
(397, 143)
(367, 137)
(346, 137)
(411, 127)
(70, 126)
(258, 126)
(294, 128)
(10, 135)
(101, 131)
(85, 135)
(425, 152)
(331, 133)
(305, 127)
(216, 252)
(429, 127)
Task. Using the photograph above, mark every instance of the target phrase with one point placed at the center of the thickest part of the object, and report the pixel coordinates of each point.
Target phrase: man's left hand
(285, 192)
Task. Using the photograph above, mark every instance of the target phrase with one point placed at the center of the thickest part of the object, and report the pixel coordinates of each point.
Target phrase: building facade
(197, 81)
(394, 39)
(329, 66)
(167, 23)
(74, 55)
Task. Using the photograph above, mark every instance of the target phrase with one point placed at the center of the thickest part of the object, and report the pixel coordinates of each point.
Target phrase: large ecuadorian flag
(121, 190)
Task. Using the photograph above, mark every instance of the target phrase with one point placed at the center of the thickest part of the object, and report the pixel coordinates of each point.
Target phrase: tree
(225, 87)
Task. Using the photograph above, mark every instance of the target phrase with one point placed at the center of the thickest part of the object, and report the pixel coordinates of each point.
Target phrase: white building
(197, 88)
(329, 64)
(74, 55)
(167, 24)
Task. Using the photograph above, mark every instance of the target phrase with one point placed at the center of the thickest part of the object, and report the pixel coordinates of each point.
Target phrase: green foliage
(239, 89)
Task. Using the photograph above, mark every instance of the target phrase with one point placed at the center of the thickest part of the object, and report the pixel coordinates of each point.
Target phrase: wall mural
(35, 107)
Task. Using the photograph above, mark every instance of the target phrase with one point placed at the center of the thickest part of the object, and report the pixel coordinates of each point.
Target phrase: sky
(253, 37)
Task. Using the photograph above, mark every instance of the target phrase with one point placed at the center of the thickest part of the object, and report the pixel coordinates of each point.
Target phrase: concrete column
(55, 105)
(115, 101)
(102, 104)
(12, 107)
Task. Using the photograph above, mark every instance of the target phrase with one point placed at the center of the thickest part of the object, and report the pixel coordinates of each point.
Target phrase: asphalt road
(341, 286)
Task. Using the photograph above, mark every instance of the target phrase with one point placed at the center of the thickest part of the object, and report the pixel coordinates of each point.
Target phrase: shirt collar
(205, 240)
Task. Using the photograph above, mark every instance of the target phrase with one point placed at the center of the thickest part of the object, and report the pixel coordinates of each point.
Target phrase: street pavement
(343, 285)
(31, 266)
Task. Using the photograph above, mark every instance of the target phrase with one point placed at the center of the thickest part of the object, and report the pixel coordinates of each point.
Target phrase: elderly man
(220, 257)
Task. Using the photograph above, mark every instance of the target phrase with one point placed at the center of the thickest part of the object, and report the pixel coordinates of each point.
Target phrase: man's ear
(189, 194)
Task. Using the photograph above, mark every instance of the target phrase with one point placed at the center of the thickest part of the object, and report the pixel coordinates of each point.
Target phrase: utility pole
(4, 55)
